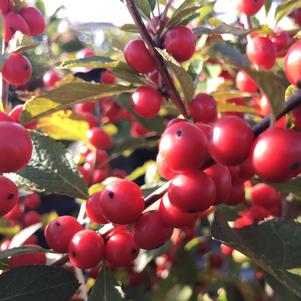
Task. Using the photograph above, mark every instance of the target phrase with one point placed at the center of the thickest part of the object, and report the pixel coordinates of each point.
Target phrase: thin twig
(167, 81)
(4, 84)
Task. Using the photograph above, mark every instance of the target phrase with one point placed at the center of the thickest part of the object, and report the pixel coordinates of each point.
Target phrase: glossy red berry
(15, 147)
(138, 130)
(281, 40)
(261, 52)
(246, 170)
(50, 78)
(34, 20)
(13, 22)
(99, 138)
(6, 6)
(93, 209)
(180, 43)
(226, 250)
(32, 201)
(31, 258)
(265, 196)
(163, 169)
(237, 195)
(231, 140)
(203, 108)
(85, 52)
(9, 195)
(150, 231)
(192, 191)
(146, 102)
(121, 249)
(250, 7)
(5, 117)
(221, 176)
(99, 157)
(245, 83)
(183, 146)
(175, 217)
(292, 64)
(277, 155)
(122, 201)
(60, 231)
(86, 249)
(16, 69)
(107, 77)
(30, 218)
(138, 57)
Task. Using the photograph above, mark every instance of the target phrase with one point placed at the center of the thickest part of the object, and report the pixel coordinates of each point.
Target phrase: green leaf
(20, 250)
(292, 186)
(106, 288)
(183, 77)
(51, 169)
(36, 283)
(91, 61)
(228, 107)
(187, 8)
(64, 125)
(267, 6)
(126, 73)
(65, 96)
(155, 124)
(145, 7)
(21, 42)
(272, 245)
(286, 8)
(221, 29)
(130, 28)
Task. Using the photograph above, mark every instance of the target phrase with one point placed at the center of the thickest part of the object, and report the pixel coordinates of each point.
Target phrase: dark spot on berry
(295, 166)
(57, 223)
(12, 30)
(73, 253)
(179, 133)
(111, 195)
(10, 196)
(134, 251)
(193, 210)
(26, 67)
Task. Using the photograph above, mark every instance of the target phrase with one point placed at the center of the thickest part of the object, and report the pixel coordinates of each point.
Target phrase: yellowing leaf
(64, 125)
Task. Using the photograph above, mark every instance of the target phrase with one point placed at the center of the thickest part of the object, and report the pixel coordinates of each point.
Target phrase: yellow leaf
(64, 125)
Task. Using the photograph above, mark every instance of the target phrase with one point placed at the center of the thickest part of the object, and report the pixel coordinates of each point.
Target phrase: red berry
(231, 141)
(255, 213)
(121, 249)
(276, 155)
(99, 157)
(122, 201)
(86, 249)
(99, 138)
(292, 64)
(265, 196)
(192, 191)
(246, 170)
(30, 218)
(15, 147)
(245, 83)
(281, 40)
(119, 173)
(146, 102)
(138, 130)
(150, 231)
(261, 52)
(296, 15)
(296, 117)
(59, 232)
(107, 77)
(50, 78)
(221, 176)
(180, 43)
(34, 20)
(138, 57)
(9, 195)
(85, 52)
(250, 7)
(16, 214)
(226, 250)
(15, 115)
(163, 169)
(32, 201)
(215, 261)
(99, 175)
(34, 258)
(203, 108)
(6, 6)
(5, 117)
(87, 106)
(183, 146)
(93, 209)
(237, 195)
(175, 217)
(17, 69)
(13, 22)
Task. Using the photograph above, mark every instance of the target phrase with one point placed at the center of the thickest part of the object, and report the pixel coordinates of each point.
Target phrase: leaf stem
(167, 81)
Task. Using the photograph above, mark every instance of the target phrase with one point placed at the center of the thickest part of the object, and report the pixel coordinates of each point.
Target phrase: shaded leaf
(91, 61)
(64, 125)
(51, 169)
(183, 77)
(291, 186)
(286, 8)
(36, 283)
(125, 72)
(272, 245)
(21, 42)
(65, 96)
(267, 6)
(106, 288)
(229, 107)
(24, 234)
(145, 7)
(221, 29)
(130, 28)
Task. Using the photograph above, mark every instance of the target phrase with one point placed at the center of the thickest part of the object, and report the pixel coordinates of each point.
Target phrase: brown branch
(4, 84)
(167, 81)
